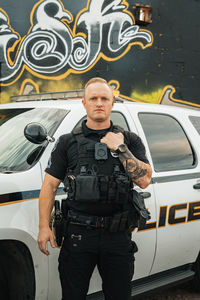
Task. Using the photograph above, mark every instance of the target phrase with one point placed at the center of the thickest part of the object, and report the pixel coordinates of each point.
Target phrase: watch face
(122, 148)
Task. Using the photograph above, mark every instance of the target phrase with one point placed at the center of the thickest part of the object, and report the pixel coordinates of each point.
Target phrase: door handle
(196, 186)
(146, 194)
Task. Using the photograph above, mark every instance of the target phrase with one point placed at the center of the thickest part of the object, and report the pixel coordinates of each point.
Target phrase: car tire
(17, 280)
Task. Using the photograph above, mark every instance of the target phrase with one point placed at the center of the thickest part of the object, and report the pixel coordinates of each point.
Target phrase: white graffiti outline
(51, 48)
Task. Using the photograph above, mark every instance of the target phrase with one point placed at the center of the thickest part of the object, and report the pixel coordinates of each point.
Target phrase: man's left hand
(113, 140)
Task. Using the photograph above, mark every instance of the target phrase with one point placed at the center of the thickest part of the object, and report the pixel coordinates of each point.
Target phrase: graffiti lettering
(51, 48)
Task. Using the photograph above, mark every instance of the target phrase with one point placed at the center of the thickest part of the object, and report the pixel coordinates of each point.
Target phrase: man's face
(98, 102)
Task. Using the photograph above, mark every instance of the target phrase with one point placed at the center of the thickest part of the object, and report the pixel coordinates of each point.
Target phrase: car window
(169, 146)
(16, 152)
(195, 122)
(116, 117)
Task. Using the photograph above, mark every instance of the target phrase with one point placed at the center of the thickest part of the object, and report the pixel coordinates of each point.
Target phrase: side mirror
(36, 133)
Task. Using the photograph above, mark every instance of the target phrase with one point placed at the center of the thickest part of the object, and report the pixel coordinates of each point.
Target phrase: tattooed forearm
(134, 168)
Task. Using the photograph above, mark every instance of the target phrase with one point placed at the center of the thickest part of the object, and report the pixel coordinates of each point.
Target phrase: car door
(175, 182)
(144, 237)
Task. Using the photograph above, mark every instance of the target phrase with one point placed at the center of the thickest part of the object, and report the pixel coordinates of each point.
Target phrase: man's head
(98, 101)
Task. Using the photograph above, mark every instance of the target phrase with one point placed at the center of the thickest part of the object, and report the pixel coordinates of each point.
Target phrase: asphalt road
(184, 291)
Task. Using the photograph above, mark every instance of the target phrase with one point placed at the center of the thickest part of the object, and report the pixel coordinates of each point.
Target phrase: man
(98, 170)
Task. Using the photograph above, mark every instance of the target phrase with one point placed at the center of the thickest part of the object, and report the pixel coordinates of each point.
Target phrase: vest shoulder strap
(116, 128)
(77, 130)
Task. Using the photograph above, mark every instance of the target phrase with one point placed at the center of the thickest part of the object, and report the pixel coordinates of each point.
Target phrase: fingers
(42, 246)
(113, 140)
(111, 134)
(43, 237)
(120, 134)
(114, 136)
(52, 242)
(115, 133)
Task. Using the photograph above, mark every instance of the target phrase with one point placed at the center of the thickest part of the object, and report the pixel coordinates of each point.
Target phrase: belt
(116, 223)
(77, 218)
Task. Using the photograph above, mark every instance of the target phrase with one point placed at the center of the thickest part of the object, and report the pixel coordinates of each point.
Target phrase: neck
(98, 125)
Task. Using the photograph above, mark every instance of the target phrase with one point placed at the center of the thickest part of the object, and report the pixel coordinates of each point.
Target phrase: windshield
(16, 152)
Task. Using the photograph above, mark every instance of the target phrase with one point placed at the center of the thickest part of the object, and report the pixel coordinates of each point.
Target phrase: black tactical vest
(98, 176)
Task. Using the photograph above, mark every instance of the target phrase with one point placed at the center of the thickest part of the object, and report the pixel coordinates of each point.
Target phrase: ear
(83, 102)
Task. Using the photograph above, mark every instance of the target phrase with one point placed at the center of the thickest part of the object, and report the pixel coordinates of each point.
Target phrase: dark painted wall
(143, 62)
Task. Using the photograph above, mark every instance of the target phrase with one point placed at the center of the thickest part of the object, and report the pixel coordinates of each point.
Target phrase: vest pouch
(139, 205)
(87, 188)
(112, 189)
(103, 186)
(69, 186)
(123, 188)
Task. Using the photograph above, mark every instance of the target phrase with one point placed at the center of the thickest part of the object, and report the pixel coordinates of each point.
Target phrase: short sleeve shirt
(64, 154)
(64, 157)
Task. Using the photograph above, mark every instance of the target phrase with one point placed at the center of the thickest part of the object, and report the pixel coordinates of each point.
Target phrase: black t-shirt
(64, 156)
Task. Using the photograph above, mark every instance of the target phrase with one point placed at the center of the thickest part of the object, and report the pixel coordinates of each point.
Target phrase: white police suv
(169, 243)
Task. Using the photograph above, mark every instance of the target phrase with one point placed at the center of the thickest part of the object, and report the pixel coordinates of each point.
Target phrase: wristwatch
(121, 148)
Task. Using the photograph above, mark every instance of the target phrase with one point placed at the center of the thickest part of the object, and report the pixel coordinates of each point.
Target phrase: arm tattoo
(132, 165)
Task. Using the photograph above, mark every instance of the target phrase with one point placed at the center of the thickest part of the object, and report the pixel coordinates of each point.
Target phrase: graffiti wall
(56, 45)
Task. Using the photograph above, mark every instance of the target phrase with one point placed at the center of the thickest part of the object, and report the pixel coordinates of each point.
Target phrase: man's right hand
(45, 235)
(46, 201)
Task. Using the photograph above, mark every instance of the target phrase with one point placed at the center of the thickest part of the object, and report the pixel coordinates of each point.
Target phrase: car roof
(70, 103)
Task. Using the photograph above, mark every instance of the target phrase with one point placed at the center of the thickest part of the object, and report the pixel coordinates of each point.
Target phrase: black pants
(83, 249)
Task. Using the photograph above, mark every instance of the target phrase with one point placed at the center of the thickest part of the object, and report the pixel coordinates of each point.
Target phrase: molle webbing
(94, 180)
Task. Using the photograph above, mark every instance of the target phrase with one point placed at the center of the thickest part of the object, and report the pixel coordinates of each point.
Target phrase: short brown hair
(97, 79)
